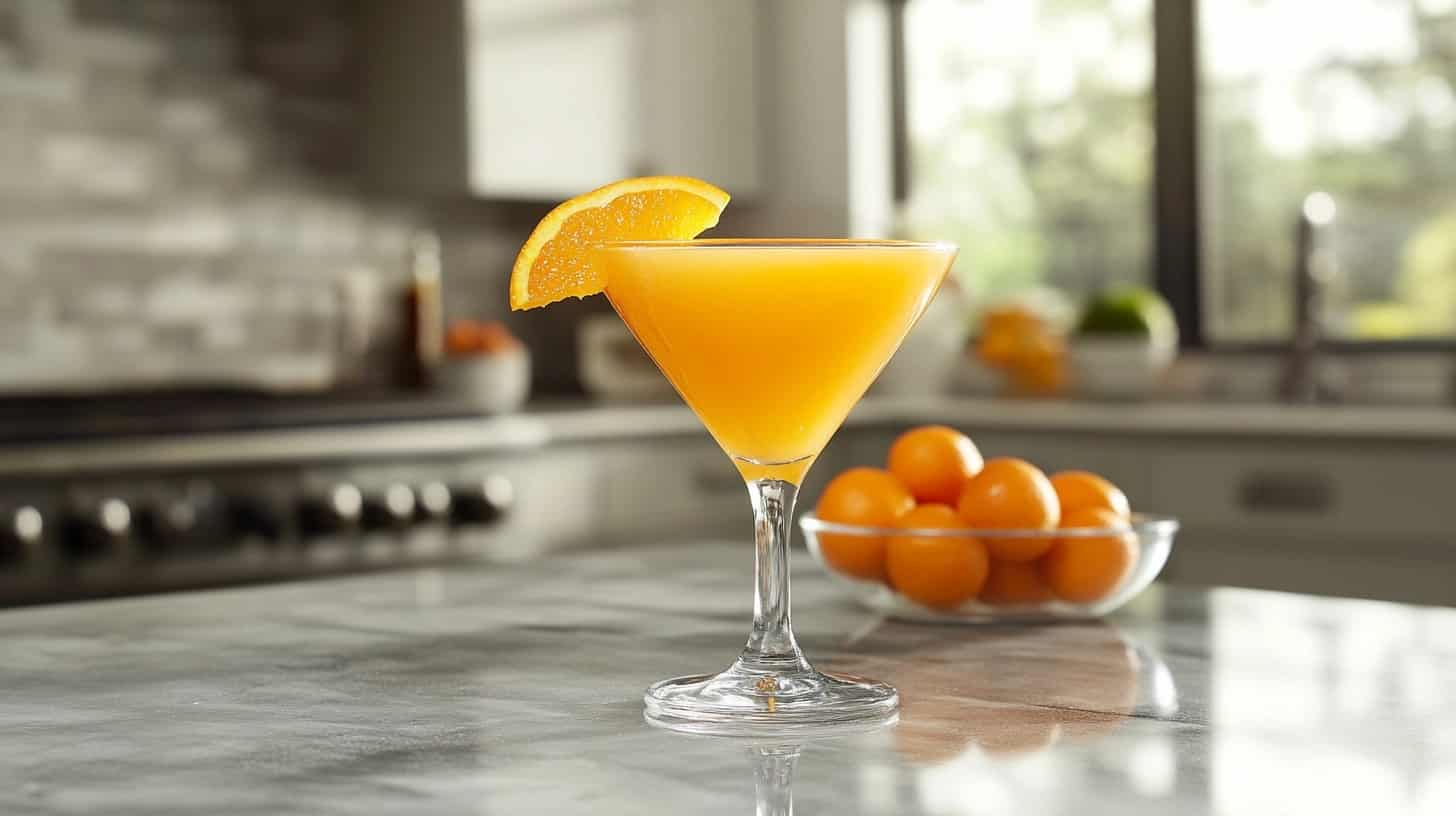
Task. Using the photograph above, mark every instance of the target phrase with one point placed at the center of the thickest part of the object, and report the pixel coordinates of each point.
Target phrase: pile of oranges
(935, 478)
(1026, 348)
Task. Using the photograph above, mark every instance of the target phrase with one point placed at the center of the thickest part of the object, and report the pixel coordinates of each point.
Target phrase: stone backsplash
(179, 207)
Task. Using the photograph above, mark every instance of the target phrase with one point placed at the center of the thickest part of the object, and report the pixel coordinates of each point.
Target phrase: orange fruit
(1011, 494)
(1083, 570)
(941, 573)
(1027, 348)
(865, 496)
(1015, 582)
(463, 337)
(934, 462)
(496, 338)
(1079, 489)
(556, 261)
(1002, 333)
(1039, 373)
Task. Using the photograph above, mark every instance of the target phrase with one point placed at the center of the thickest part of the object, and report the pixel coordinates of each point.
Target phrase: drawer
(1390, 491)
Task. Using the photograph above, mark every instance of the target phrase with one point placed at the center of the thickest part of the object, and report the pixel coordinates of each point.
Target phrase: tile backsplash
(178, 201)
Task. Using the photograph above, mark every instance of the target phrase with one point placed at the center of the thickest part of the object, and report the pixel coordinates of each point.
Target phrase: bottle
(424, 314)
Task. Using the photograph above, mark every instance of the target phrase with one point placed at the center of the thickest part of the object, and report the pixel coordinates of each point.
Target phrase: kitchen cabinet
(1373, 491)
(1365, 519)
(673, 487)
(543, 100)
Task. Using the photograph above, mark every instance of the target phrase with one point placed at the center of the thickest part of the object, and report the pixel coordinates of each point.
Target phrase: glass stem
(771, 646)
(773, 780)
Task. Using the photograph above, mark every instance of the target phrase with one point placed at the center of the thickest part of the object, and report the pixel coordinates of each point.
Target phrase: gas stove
(113, 515)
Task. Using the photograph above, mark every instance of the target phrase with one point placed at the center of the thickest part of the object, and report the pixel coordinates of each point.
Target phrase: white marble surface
(574, 421)
(578, 421)
(515, 690)
(1262, 419)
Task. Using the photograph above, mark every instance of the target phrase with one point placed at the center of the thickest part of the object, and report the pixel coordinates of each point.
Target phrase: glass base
(744, 703)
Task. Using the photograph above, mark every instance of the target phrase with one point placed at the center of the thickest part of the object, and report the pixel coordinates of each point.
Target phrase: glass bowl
(1103, 589)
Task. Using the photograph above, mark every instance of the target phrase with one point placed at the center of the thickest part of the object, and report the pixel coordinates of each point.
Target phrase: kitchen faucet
(1314, 269)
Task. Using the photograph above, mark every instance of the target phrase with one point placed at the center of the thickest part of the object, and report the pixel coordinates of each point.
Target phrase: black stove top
(220, 510)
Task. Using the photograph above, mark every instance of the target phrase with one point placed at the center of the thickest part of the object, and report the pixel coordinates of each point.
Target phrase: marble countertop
(581, 421)
(577, 421)
(574, 421)
(517, 689)
(1155, 417)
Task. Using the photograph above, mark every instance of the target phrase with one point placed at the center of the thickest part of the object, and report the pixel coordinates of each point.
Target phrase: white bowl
(1119, 367)
(496, 383)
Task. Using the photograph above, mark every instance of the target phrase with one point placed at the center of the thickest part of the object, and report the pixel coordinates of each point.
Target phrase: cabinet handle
(1288, 492)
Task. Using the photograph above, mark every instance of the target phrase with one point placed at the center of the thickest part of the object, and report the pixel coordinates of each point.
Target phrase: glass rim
(1140, 523)
(793, 243)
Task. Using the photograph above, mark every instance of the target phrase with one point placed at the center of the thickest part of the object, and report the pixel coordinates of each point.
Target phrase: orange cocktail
(771, 342)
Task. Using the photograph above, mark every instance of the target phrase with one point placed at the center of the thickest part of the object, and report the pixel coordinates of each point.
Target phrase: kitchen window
(1029, 133)
(1080, 143)
(1357, 100)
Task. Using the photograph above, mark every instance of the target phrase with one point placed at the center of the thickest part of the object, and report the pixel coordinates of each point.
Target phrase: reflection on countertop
(518, 690)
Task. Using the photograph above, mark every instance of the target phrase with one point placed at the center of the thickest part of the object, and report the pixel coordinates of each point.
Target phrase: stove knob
(392, 508)
(482, 502)
(432, 502)
(97, 530)
(257, 516)
(21, 532)
(183, 522)
(334, 511)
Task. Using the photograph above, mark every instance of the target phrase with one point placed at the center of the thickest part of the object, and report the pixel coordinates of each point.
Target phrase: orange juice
(772, 342)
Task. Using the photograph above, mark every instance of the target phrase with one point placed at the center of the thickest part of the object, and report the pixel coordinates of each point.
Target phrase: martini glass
(771, 342)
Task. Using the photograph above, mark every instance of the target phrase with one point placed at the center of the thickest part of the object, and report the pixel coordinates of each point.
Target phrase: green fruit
(1129, 310)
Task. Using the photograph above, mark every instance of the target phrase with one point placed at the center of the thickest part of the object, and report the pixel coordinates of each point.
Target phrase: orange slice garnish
(556, 261)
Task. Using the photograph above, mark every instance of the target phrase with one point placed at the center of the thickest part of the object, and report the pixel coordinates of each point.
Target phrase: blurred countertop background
(234, 218)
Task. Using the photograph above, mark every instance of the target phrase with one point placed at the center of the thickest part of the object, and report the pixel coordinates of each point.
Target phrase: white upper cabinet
(552, 94)
(547, 99)
(700, 74)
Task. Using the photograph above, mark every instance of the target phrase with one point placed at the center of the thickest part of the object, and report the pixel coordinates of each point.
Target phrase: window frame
(1177, 233)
